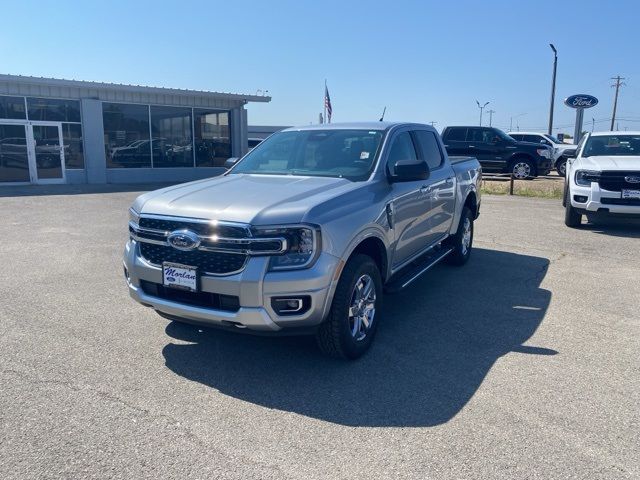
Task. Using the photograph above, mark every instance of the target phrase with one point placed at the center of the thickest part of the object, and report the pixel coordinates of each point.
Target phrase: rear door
(408, 203)
(441, 190)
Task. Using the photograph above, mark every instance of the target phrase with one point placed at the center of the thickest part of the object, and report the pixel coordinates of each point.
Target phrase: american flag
(327, 103)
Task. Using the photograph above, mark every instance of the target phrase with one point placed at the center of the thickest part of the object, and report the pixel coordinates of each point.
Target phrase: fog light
(580, 198)
(291, 305)
(126, 274)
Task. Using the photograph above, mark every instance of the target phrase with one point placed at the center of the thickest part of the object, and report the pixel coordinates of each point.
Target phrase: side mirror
(409, 171)
(570, 153)
(230, 162)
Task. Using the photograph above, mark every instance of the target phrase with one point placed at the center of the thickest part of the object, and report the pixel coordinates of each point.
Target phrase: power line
(618, 83)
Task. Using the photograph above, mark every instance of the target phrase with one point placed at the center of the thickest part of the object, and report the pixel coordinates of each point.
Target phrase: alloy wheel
(362, 308)
(521, 170)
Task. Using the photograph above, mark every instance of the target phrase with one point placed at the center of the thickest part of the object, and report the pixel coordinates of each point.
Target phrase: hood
(610, 163)
(254, 199)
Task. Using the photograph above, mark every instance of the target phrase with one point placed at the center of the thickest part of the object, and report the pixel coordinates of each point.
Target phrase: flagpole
(324, 100)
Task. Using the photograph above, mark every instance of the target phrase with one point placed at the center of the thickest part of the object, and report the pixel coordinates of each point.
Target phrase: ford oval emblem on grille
(184, 240)
(631, 179)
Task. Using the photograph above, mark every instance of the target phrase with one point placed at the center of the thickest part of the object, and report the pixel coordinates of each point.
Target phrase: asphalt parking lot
(522, 364)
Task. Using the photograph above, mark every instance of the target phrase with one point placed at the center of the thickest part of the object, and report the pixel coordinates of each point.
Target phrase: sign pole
(578, 131)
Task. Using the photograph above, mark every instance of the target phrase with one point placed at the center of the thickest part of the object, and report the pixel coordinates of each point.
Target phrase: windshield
(345, 153)
(612, 145)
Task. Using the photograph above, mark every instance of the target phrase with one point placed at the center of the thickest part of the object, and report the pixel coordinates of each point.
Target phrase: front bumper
(596, 200)
(254, 287)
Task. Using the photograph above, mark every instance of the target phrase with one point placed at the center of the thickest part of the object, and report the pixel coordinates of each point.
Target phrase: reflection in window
(53, 110)
(172, 141)
(212, 137)
(126, 135)
(12, 107)
(72, 139)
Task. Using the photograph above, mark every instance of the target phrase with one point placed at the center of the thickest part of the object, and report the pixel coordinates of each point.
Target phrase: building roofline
(120, 87)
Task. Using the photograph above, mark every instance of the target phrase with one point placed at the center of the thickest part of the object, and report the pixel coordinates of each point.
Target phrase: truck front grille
(216, 263)
(202, 228)
(614, 181)
(216, 301)
(620, 201)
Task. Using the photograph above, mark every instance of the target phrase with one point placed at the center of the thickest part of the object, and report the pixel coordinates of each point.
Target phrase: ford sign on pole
(580, 102)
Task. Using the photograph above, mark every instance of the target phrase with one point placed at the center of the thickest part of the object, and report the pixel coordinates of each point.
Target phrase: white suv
(604, 177)
(560, 150)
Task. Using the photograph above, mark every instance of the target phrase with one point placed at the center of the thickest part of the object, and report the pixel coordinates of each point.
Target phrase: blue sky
(426, 61)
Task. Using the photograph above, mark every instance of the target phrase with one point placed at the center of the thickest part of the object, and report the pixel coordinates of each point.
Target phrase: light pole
(481, 107)
(511, 120)
(553, 86)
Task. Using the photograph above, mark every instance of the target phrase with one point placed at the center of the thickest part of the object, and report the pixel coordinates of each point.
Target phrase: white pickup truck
(604, 177)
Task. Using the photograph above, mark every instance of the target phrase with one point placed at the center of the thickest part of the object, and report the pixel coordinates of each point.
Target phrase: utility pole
(481, 107)
(593, 124)
(553, 86)
(618, 84)
(491, 112)
(433, 124)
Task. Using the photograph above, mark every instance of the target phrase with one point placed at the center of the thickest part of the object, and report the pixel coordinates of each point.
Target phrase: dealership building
(68, 131)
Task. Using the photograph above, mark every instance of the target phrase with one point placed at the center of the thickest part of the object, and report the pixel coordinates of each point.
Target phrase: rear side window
(455, 134)
(430, 148)
(402, 149)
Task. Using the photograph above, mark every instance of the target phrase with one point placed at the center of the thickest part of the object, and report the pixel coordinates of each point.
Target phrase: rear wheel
(561, 167)
(523, 168)
(462, 241)
(352, 322)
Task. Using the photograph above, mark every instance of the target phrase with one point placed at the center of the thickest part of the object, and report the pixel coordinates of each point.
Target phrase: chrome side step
(413, 272)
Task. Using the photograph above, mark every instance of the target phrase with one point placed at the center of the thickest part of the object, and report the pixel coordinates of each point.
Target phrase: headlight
(134, 216)
(544, 152)
(303, 246)
(585, 177)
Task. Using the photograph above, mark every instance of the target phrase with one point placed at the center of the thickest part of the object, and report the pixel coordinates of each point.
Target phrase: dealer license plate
(631, 194)
(180, 276)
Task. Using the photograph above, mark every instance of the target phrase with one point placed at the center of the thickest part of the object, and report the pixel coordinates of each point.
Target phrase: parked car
(498, 152)
(305, 231)
(560, 149)
(604, 177)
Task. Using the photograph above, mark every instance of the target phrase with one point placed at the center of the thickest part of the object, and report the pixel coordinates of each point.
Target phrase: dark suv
(498, 152)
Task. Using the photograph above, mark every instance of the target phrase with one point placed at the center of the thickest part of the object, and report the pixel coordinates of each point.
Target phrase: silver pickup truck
(305, 232)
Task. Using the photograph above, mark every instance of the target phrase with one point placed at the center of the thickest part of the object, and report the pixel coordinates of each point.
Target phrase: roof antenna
(383, 112)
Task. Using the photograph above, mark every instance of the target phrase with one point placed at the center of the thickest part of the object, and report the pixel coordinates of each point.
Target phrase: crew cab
(604, 177)
(497, 152)
(305, 232)
(561, 150)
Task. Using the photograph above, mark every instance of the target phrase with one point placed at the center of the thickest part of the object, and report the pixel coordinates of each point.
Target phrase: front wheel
(522, 168)
(572, 218)
(353, 320)
(462, 241)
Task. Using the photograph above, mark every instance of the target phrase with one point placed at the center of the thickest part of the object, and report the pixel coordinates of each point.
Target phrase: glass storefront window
(14, 159)
(171, 137)
(212, 137)
(126, 135)
(53, 110)
(72, 139)
(12, 108)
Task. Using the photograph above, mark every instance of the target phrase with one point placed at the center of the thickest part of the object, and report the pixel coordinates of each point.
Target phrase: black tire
(561, 166)
(334, 336)
(461, 251)
(515, 168)
(572, 218)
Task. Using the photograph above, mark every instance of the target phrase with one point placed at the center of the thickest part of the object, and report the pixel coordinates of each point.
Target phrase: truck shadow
(437, 342)
(613, 226)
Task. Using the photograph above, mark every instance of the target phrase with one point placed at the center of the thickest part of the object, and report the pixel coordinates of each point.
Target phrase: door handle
(472, 146)
(425, 190)
(449, 181)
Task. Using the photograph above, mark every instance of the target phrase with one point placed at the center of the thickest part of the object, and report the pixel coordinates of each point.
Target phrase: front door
(31, 152)
(47, 152)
